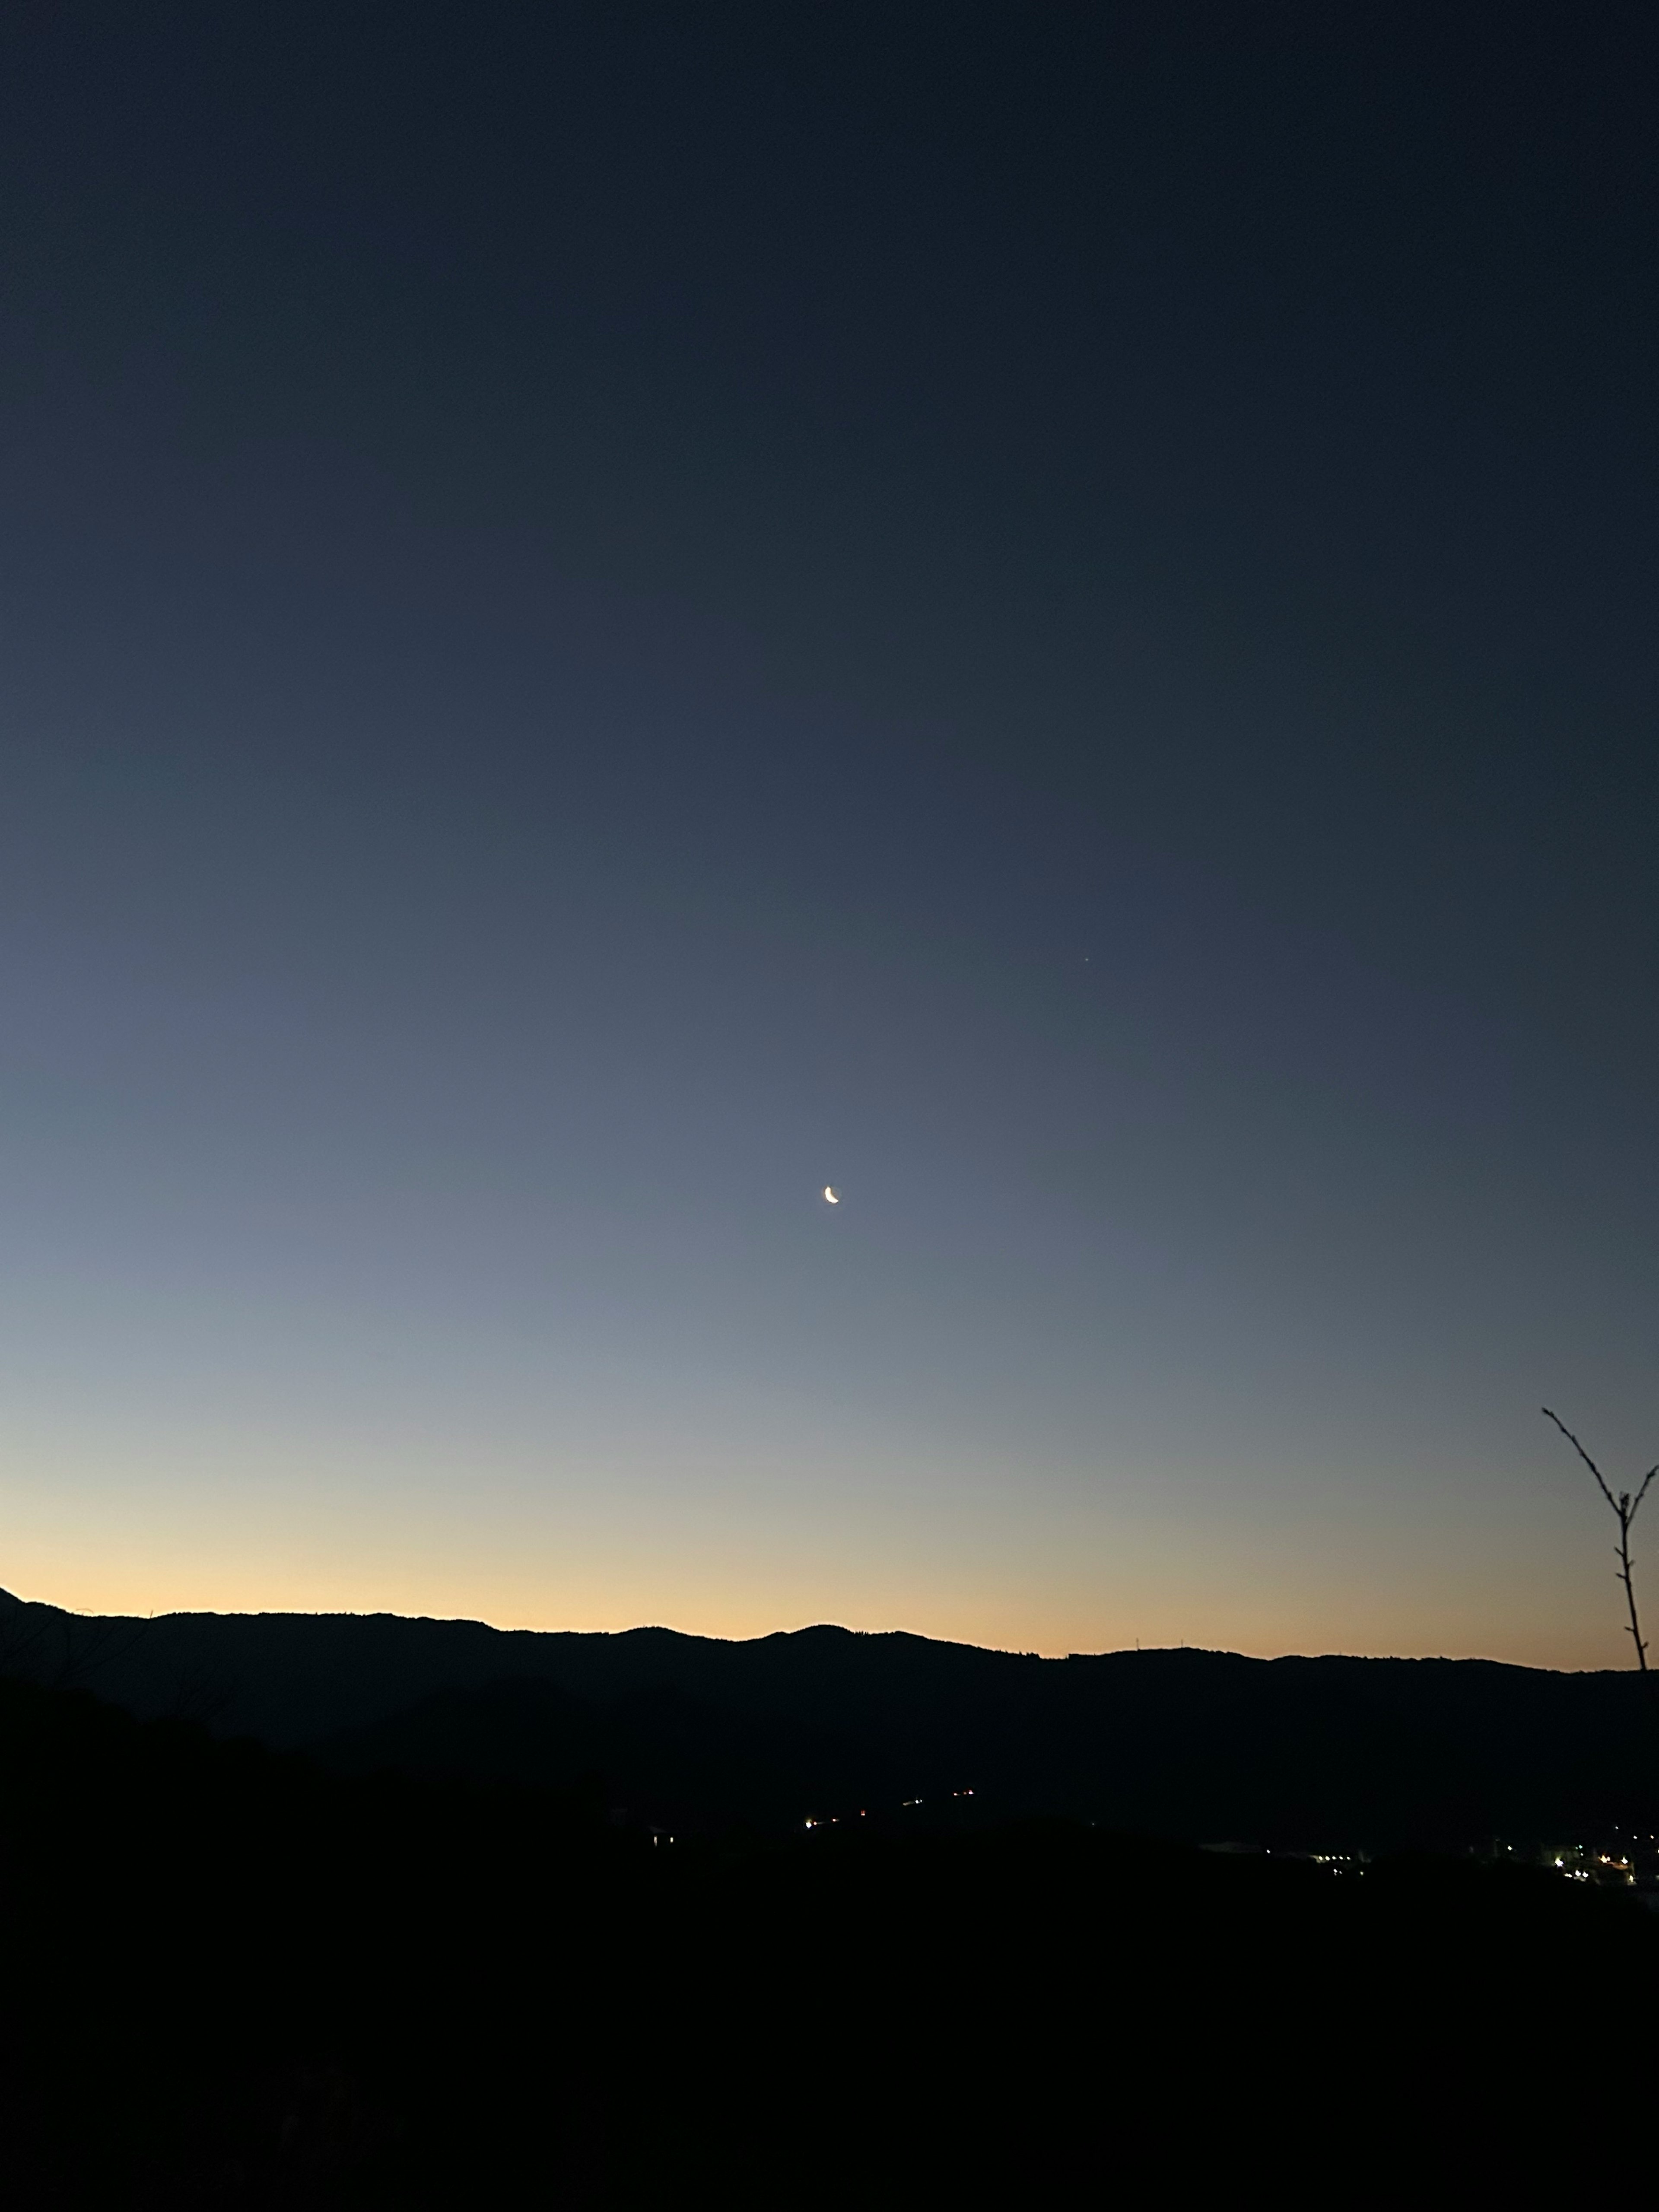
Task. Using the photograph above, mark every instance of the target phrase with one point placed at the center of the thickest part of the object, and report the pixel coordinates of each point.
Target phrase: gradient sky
(612, 613)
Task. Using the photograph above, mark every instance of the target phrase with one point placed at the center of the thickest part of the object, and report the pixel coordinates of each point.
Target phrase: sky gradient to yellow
(610, 618)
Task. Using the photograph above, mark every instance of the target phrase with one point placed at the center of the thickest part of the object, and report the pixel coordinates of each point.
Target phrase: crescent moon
(832, 1195)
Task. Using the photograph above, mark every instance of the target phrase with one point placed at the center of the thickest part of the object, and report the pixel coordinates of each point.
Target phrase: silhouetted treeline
(234, 1978)
(690, 1734)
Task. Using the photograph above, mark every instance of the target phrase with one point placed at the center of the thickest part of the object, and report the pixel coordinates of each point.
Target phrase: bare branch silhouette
(1625, 1506)
(1583, 1453)
(63, 1650)
(92, 1644)
(23, 1627)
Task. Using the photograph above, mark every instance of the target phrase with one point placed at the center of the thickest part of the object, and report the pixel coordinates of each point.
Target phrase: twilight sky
(613, 612)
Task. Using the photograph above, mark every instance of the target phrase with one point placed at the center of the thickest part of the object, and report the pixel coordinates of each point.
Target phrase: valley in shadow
(460, 1954)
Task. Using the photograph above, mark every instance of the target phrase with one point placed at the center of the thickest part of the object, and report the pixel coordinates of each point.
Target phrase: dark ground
(234, 1979)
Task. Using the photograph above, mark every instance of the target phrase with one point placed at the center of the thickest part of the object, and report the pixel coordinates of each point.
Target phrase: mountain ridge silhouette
(1326, 1752)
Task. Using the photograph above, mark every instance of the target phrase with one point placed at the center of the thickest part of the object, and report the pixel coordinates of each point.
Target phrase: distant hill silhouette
(1328, 1753)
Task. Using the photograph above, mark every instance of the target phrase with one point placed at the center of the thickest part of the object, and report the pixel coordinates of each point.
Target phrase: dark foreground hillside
(694, 1734)
(234, 1979)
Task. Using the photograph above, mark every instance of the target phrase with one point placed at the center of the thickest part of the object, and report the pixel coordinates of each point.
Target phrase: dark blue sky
(614, 613)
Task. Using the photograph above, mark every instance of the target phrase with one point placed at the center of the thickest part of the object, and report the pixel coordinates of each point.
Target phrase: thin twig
(1624, 1510)
(1585, 1457)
